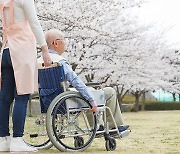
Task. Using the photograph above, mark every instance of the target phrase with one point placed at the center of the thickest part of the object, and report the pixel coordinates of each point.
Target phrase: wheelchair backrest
(51, 77)
(51, 84)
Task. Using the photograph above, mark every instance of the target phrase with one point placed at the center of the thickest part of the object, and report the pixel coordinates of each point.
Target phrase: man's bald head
(52, 35)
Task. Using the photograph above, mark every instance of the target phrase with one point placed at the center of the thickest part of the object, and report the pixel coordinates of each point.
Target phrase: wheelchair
(65, 119)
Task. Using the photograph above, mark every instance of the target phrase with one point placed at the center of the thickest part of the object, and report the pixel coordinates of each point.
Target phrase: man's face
(60, 45)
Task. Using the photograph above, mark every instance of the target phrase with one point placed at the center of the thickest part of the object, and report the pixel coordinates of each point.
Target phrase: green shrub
(162, 106)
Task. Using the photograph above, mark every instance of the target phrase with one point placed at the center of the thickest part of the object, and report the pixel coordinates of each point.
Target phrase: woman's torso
(25, 9)
(18, 11)
(17, 32)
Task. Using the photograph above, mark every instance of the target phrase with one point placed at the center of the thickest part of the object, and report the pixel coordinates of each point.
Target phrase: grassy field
(153, 132)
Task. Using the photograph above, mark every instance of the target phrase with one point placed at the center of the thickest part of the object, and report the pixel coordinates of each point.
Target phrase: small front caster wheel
(110, 144)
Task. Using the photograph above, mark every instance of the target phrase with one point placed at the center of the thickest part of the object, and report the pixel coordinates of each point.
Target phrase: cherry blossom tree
(106, 44)
(173, 59)
(92, 27)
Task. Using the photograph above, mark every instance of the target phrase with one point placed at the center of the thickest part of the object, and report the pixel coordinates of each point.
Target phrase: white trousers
(111, 102)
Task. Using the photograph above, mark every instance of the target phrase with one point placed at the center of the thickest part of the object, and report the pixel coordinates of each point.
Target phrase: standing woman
(18, 68)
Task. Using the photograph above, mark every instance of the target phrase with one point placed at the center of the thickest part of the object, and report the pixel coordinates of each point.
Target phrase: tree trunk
(143, 100)
(119, 96)
(89, 77)
(174, 97)
(179, 97)
(74, 65)
(137, 95)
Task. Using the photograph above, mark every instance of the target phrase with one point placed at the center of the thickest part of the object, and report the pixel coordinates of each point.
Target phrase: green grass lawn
(153, 132)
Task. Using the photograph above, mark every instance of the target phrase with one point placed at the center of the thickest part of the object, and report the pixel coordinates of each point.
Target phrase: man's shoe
(5, 144)
(101, 128)
(120, 128)
(18, 145)
(123, 128)
(99, 133)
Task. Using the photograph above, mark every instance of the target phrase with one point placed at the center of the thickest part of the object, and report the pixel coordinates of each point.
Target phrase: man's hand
(94, 109)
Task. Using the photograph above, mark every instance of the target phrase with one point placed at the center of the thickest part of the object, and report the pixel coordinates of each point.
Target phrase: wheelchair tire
(35, 129)
(110, 144)
(68, 127)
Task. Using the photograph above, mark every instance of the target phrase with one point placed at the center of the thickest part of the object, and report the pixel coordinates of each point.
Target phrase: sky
(163, 14)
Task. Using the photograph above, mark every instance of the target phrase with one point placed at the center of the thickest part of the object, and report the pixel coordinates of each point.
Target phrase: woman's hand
(46, 57)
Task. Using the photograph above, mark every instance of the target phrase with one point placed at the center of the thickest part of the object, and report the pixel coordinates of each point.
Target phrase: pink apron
(22, 48)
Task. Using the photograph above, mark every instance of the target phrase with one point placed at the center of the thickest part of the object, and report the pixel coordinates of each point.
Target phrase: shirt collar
(52, 51)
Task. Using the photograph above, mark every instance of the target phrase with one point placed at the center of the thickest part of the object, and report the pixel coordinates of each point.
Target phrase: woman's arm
(31, 15)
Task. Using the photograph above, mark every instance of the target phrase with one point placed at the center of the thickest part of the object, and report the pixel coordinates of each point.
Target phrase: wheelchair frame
(53, 136)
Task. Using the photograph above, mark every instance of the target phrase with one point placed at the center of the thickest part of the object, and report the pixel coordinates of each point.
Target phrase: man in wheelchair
(56, 44)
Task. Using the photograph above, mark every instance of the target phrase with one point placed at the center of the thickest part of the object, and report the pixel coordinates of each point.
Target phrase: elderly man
(56, 44)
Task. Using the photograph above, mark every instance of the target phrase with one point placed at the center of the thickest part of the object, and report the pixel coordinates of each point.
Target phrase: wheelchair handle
(43, 64)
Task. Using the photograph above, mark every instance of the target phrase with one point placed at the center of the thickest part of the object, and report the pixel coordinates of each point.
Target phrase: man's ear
(55, 43)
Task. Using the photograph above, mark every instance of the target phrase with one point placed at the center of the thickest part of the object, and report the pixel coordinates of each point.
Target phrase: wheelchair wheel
(68, 122)
(110, 144)
(35, 128)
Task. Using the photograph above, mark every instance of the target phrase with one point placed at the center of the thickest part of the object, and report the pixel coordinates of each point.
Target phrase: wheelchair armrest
(92, 84)
(89, 84)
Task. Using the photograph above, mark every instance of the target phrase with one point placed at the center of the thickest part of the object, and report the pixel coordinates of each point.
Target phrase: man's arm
(77, 83)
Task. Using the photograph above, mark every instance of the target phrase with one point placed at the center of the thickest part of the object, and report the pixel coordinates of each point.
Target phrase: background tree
(107, 45)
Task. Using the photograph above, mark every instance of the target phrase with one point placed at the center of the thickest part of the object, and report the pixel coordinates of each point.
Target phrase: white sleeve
(31, 15)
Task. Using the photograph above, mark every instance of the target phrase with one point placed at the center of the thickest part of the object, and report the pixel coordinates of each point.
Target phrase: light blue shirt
(75, 81)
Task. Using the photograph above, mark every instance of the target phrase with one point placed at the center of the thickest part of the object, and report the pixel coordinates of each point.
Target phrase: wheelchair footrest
(125, 133)
(122, 134)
